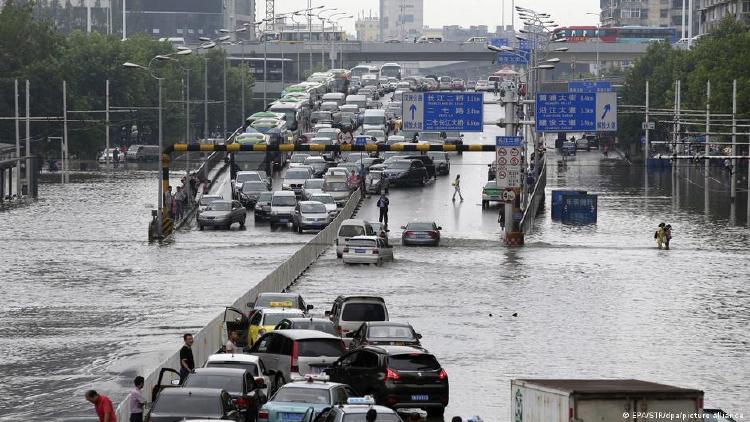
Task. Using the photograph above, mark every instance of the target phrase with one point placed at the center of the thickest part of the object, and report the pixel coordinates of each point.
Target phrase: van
(348, 229)
(143, 153)
(337, 97)
(375, 120)
(358, 100)
(282, 207)
(349, 312)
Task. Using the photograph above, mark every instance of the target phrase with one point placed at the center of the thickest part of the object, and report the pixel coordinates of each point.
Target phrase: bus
(364, 69)
(390, 70)
(622, 35)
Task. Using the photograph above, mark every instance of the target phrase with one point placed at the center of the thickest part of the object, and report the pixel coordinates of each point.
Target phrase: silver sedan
(223, 214)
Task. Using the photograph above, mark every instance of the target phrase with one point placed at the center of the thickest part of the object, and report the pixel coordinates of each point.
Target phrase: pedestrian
(497, 87)
(231, 346)
(386, 183)
(457, 188)
(168, 199)
(659, 235)
(102, 406)
(383, 203)
(371, 415)
(116, 156)
(179, 202)
(728, 165)
(137, 401)
(667, 235)
(187, 362)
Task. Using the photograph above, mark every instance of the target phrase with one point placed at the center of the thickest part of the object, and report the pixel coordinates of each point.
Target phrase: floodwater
(87, 302)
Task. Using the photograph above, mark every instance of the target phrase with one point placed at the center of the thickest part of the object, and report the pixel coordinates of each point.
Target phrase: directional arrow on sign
(607, 108)
(413, 110)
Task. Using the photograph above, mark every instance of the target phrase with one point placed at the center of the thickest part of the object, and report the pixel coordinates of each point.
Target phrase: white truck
(570, 400)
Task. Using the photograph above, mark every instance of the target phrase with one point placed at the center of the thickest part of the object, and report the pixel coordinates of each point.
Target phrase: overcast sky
(452, 12)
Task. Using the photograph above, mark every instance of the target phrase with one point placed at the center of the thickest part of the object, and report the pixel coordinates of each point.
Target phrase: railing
(210, 338)
(537, 199)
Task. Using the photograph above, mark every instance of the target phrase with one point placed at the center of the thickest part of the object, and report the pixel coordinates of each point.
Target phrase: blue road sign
(581, 87)
(443, 111)
(574, 112)
(520, 56)
(579, 209)
(509, 141)
(557, 200)
(360, 140)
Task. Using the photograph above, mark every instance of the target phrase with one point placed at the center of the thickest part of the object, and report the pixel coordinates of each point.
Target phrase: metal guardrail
(210, 338)
(537, 199)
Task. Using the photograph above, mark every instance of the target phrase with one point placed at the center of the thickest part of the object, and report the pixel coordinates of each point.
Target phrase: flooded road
(89, 303)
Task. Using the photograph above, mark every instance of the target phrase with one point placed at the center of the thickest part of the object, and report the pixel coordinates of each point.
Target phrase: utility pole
(65, 131)
(106, 150)
(646, 146)
(124, 21)
(18, 146)
(733, 189)
(28, 137)
(707, 162)
(205, 99)
(224, 128)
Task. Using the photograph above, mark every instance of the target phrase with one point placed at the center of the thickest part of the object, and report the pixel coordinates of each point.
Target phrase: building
(651, 13)
(713, 11)
(368, 28)
(401, 19)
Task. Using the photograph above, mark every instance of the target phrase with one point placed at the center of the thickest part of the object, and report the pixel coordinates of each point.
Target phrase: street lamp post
(334, 22)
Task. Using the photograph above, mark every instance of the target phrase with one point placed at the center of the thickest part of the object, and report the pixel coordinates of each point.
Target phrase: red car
(458, 84)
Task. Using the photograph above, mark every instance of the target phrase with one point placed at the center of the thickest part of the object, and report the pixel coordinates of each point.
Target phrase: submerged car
(222, 214)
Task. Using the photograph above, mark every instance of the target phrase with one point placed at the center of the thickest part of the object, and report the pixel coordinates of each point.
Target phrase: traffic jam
(292, 364)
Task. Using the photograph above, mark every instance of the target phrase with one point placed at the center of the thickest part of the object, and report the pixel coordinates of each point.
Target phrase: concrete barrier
(211, 337)
(537, 201)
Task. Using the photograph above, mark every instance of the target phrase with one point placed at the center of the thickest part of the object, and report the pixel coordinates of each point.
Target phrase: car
(239, 383)
(262, 209)
(177, 404)
(318, 164)
(351, 228)
(248, 176)
(421, 233)
(297, 159)
(320, 324)
(276, 300)
(292, 353)
(396, 376)
(471, 84)
(327, 200)
(339, 171)
(222, 214)
(378, 135)
(367, 250)
(583, 143)
(251, 192)
(295, 178)
(491, 193)
(483, 85)
(330, 133)
(264, 320)
(282, 207)
(569, 148)
(407, 172)
(445, 83)
(349, 312)
(310, 215)
(293, 400)
(458, 84)
(355, 410)
(429, 164)
(207, 199)
(250, 363)
(396, 139)
(252, 138)
(312, 187)
(441, 161)
(384, 333)
(338, 187)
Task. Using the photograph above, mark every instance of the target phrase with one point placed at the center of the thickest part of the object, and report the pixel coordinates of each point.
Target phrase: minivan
(291, 353)
(358, 100)
(375, 119)
(349, 312)
(350, 228)
(282, 207)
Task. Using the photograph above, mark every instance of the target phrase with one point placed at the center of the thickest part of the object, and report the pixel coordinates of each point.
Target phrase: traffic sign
(581, 87)
(509, 195)
(579, 209)
(573, 112)
(443, 111)
(508, 156)
(360, 140)
(648, 125)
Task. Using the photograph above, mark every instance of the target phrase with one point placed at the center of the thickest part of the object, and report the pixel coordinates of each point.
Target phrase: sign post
(508, 150)
(443, 111)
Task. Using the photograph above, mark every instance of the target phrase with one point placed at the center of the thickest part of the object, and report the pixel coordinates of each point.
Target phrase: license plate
(421, 236)
(360, 251)
(419, 397)
(398, 343)
(283, 220)
(291, 416)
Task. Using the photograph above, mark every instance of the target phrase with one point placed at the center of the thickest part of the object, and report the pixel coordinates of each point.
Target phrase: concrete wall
(209, 339)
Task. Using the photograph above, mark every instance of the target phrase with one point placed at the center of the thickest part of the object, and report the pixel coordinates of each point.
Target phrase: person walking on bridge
(457, 188)
(383, 203)
(187, 362)
(102, 405)
(137, 401)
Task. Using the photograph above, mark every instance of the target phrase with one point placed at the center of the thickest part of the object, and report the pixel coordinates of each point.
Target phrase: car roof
(310, 319)
(284, 294)
(279, 310)
(421, 222)
(191, 391)
(315, 384)
(398, 350)
(310, 203)
(364, 238)
(284, 193)
(363, 408)
(387, 323)
(360, 297)
(353, 221)
(305, 334)
(220, 371)
(232, 357)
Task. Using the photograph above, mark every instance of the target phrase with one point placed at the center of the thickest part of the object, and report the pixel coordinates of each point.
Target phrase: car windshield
(265, 300)
(219, 206)
(313, 209)
(400, 165)
(230, 383)
(363, 243)
(317, 347)
(325, 199)
(265, 197)
(303, 395)
(438, 156)
(249, 366)
(351, 231)
(314, 184)
(299, 158)
(315, 160)
(242, 178)
(253, 186)
(324, 326)
(413, 362)
(336, 186)
(420, 226)
(429, 136)
(209, 199)
(193, 405)
(275, 318)
(284, 201)
(375, 133)
(363, 312)
(297, 174)
(390, 332)
(361, 417)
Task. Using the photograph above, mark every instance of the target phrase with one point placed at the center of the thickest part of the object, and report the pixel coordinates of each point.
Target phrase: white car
(327, 200)
(207, 199)
(249, 176)
(367, 250)
(297, 159)
(282, 207)
(312, 187)
(396, 139)
(337, 171)
(378, 134)
(242, 361)
(295, 178)
(310, 215)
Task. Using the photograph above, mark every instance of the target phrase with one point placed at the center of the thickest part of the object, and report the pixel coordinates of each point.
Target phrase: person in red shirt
(102, 405)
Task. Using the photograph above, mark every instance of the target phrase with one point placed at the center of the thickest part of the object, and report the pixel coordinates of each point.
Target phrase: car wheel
(228, 226)
(200, 227)
(435, 411)
(242, 224)
(299, 229)
(485, 204)
(423, 181)
(339, 255)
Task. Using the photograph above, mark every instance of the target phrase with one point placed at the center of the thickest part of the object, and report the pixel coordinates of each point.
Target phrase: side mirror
(260, 383)
(175, 382)
(440, 228)
(310, 307)
(270, 372)
(403, 227)
(328, 313)
(251, 305)
(419, 336)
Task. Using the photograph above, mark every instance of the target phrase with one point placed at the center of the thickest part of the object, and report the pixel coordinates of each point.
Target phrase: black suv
(428, 162)
(396, 376)
(407, 172)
